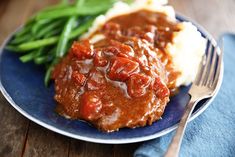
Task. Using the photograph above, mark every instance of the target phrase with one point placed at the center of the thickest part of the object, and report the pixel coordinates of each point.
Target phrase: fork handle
(174, 147)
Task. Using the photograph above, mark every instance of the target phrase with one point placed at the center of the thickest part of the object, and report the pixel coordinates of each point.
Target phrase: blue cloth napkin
(212, 134)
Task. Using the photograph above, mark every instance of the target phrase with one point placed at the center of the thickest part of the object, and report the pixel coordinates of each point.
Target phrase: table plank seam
(69, 147)
(25, 140)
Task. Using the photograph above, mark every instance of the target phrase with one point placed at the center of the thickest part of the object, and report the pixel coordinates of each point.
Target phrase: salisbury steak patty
(122, 80)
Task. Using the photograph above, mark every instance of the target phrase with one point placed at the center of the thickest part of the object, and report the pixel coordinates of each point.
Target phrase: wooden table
(20, 137)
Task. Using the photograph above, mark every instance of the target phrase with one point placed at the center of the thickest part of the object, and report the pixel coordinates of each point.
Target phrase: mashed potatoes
(188, 45)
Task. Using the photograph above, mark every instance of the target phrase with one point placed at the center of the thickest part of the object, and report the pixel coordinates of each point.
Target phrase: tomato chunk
(90, 106)
(121, 68)
(100, 60)
(160, 88)
(96, 80)
(79, 78)
(137, 85)
(111, 51)
(82, 50)
(124, 50)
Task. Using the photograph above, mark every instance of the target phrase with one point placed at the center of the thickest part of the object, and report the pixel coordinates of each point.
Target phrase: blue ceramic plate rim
(117, 141)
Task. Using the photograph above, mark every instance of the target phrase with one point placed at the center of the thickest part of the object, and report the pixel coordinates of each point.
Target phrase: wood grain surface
(21, 138)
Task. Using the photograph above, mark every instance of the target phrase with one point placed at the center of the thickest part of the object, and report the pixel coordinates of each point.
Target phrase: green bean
(39, 52)
(39, 24)
(68, 11)
(19, 40)
(41, 60)
(37, 44)
(61, 5)
(13, 48)
(92, 3)
(71, 11)
(42, 55)
(47, 77)
(53, 32)
(25, 29)
(49, 28)
(28, 57)
(83, 28)
(45, 57)
(64, 38)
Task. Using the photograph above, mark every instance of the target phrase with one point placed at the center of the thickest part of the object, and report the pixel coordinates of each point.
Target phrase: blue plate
(22, 85)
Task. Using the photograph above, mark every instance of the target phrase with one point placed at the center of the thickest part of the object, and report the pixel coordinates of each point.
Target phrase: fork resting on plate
(205, 86)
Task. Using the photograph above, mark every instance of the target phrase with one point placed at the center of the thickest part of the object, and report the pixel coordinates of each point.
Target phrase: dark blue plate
(22, 85)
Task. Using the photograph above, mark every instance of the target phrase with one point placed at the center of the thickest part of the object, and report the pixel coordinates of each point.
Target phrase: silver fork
(205, 86)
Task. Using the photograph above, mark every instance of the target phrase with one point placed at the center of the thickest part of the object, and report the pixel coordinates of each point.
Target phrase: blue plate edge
(112, 141)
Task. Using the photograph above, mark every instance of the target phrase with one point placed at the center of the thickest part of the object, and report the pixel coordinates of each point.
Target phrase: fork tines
(210, 68)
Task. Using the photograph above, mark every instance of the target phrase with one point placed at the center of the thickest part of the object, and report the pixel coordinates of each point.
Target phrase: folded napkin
(212, 134)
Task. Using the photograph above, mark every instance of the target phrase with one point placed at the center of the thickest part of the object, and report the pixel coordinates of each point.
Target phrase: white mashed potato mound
(188, 45)
(187, 50)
